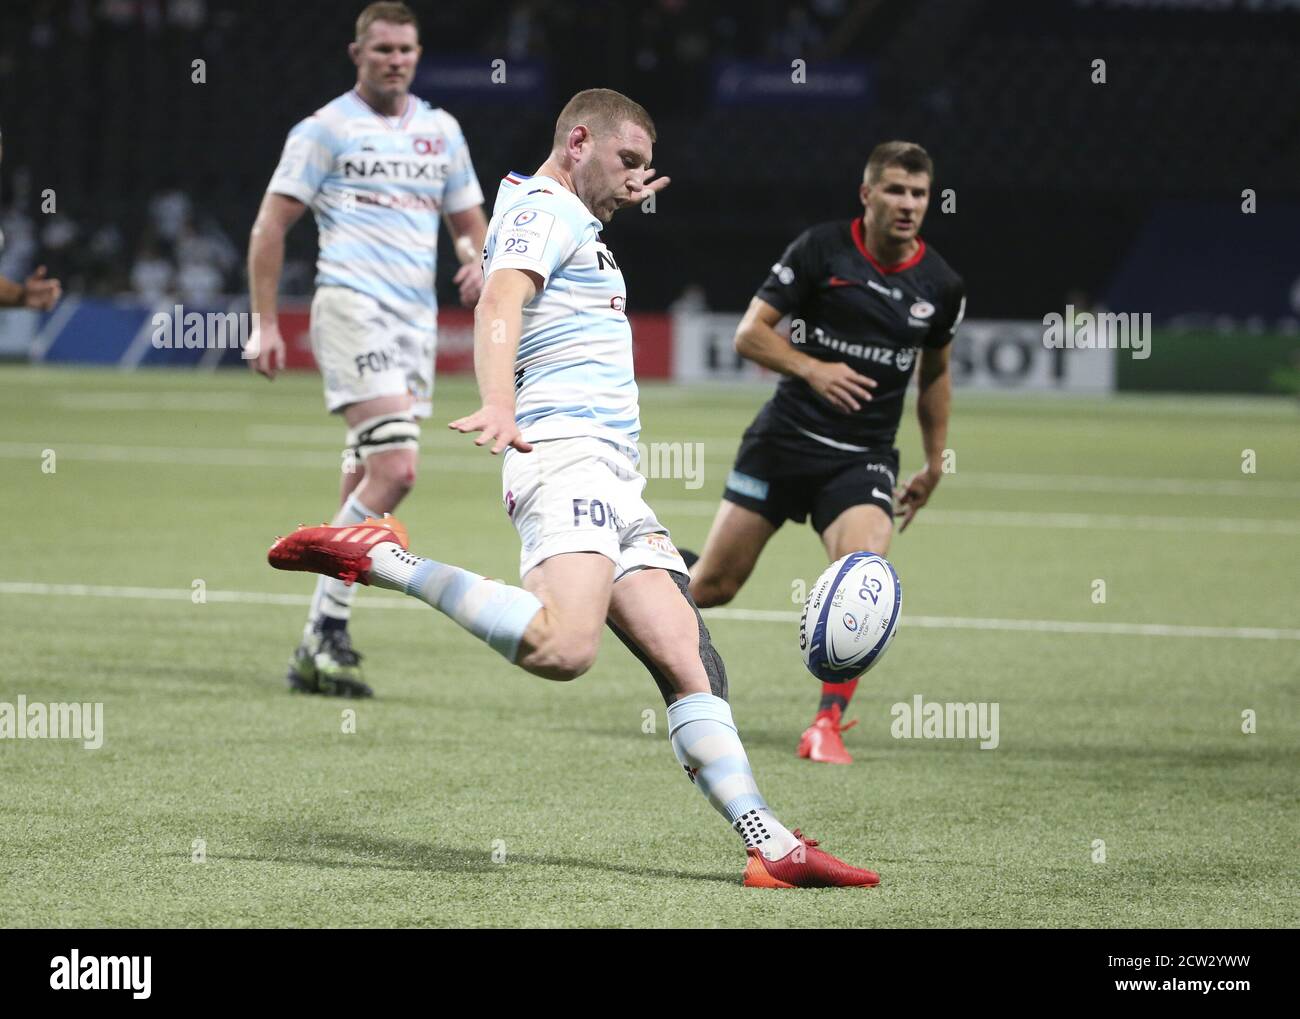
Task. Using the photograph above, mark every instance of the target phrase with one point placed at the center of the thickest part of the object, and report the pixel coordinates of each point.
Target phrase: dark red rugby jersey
(874, 318)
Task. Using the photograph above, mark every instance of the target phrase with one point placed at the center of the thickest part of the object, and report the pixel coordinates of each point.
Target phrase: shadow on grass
(359, 851)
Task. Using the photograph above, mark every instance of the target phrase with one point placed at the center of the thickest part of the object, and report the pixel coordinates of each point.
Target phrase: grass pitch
(473, 794)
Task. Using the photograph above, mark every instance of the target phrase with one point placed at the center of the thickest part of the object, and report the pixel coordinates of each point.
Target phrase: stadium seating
(1001, 93)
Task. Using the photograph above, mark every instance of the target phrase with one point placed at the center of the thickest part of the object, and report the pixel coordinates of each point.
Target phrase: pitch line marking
(324, 455)
(13, 587)
(668, 508)
(211, 456)
(1128, 486)
(1038, 625)
(271, 434)
(179, 400)
(202, 456)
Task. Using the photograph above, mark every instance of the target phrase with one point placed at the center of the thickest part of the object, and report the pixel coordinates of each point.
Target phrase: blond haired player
(553, 355)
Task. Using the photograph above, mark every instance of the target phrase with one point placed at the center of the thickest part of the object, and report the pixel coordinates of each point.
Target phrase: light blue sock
(707, 745)
(493, 612)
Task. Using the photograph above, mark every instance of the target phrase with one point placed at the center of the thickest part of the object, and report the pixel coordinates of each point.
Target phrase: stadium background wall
(1124, 209)
(1004, 356)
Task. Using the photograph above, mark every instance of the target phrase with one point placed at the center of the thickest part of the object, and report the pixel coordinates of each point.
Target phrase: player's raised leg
(862, 528)
(550, 627)
(652, 613)
(562, 639)
(735, 541)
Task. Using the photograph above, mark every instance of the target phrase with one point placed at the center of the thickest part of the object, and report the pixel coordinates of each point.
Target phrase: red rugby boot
(339, 552)
(805, 866)
(821, 741)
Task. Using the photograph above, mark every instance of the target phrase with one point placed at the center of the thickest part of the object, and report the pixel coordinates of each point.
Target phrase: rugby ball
(850, 617)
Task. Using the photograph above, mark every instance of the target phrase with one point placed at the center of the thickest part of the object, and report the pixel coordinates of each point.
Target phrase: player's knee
(394, 471)
(563, 659)
(388, 448)
(400, 475)
(566, 668)
(877, 543)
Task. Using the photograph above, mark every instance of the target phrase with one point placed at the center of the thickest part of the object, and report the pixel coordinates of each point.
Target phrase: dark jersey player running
(867, 299)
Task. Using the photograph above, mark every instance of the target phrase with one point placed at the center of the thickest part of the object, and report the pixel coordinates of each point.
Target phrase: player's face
(613, 170)
(896, 203)
(386, 58)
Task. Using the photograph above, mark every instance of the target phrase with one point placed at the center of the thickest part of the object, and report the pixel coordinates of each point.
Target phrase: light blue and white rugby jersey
(573, 374)
(378, 186)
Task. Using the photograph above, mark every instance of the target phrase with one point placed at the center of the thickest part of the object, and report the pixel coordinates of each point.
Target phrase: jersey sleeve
(536, 236)
(791, 281)
(307, 159)
(949, 318)
(462, 191)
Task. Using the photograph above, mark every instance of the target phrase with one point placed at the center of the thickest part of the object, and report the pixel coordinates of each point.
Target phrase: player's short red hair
(600, 109)
(393, 13)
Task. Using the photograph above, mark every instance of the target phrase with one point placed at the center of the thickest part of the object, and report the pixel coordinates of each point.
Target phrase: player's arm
(932, 408)
(933, 403)
(498, 324)
(265, 263)
(835, 382)
(463, 199)
(37, 293)
(468, 229)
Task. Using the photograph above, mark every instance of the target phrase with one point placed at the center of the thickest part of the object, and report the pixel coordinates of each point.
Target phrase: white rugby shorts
(583, 495)
(364, 351)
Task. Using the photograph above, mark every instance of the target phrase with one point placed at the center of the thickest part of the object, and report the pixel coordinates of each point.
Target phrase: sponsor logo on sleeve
(525, 233)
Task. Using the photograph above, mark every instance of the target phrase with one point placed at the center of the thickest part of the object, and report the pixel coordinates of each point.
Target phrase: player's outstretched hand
(839, 385)
(39, 293)
(265, 350)
(654, 185)
(647, 187)
(917, 493)
(469, 278)
(498, 427)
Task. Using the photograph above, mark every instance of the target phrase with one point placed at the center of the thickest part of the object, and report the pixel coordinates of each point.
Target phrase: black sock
(837, 695)
(329, 623)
